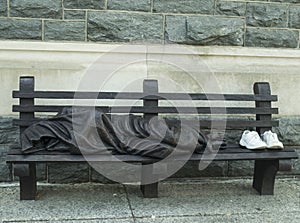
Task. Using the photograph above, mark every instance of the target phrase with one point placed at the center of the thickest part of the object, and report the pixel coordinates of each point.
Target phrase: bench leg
(148, 190)
(264, 176)
(27, 176)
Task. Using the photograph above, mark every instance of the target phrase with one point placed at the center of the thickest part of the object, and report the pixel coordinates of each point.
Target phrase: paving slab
(66, 202)
(216, 198)
(185, 200)
(239, 218)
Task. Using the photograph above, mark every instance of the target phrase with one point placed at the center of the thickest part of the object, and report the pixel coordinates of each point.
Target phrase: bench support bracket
(264, 176)
(27, 177)
(148, 190)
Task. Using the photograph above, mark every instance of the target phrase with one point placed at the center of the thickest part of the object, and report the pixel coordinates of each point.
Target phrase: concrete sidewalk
(213, 200)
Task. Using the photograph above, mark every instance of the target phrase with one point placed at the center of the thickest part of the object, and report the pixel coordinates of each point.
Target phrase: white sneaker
(271, 140)
(251, 140)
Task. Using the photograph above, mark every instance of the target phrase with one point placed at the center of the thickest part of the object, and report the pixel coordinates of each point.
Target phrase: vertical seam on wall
(63, 10)
(245, 23)
(90, 174)
(151, 5)
(298, 39)
(86, 27)
(8, 8)
(106, 4)
(47, 173)
(287, 15)
(215, 7)
(164, 29)
(43, 29)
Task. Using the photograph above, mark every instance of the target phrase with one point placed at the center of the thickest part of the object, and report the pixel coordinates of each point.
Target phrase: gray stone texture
(124, 27)
(266, 15)
(3, 8)
(9, 134)
(36, 9)
(201, 30)
(74, 14)
(271, 38)
(286, 1)
(65, 30)
(99, 178)
(231, 8)
(129, 5)
(84, 4)
(184, 6)
(68, 173)
(5, 171)
(240, 168)
(20, 29)
(191, 170)
(288, 131)
(294, 17)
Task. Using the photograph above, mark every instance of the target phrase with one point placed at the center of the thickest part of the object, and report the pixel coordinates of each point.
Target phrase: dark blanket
(88, 131)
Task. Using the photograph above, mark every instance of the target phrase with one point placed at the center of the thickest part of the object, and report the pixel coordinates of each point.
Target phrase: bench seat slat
(163, 110)
(141, 95)
(234, 148)
(253, 155)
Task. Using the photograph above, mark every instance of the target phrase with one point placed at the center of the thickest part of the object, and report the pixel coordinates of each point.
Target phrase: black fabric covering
(96, 133)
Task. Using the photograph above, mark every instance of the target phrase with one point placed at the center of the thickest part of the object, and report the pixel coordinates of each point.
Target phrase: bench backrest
(261, 108)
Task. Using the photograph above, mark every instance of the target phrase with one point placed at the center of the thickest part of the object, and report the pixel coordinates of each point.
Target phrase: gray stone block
(129, 5)
(204, 30)
(68, 173)
(124, 27)
(288, 131)
(215, 31)
(266, 15)
(100, 178)
(9, 134)
(36, 9)
(84, 4)
(271, 38)
(176, 29)
(20, 29)
(65, 30)
(191, 170)
(184, 6)
(294, 17)
(286, 1)
(240, 168)
(231, 8)
(3, 8)
(5, 170)
(74, 14)
(295, 165)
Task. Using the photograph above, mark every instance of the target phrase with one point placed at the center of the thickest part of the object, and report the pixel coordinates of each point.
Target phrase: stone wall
(262, 23)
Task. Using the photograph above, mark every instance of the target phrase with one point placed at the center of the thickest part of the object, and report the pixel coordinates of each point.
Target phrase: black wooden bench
(267, 162)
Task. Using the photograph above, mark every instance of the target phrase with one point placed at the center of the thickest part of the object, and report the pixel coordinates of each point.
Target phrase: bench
(267, 162)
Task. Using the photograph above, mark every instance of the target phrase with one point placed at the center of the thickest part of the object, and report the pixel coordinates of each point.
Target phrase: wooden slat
(242, 155)
(203, 123)
(231, 148)
(154, 109)
(140, 95)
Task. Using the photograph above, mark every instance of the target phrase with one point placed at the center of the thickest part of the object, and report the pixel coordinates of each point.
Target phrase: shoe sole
(275, 147)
